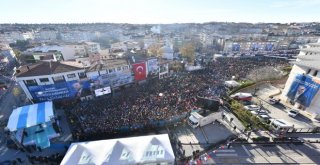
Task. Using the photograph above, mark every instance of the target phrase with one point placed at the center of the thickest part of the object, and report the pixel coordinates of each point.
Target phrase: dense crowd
(158, 100)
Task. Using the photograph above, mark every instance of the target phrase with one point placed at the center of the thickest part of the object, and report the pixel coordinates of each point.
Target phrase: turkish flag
(139, 70)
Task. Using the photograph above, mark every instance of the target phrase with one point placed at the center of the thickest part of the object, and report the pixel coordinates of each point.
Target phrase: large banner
(153, 67)
(269, 47)
(139, 70)
(255, 47)
(114, 79)
(236, 47)
(59, 90)
(303, 89)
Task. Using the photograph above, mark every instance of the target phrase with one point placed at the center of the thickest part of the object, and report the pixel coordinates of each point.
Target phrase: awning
(30, 115)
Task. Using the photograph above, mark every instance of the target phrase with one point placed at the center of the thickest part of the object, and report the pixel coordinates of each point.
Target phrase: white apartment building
(307, 65)
(49, 80)
(91, 47)
(46, 35)
(12, 37)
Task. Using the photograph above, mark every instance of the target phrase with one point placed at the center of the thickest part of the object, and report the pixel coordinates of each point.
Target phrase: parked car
(293, 112)
(259, 112)
(252, 107)
(274, 101)
(264, 118)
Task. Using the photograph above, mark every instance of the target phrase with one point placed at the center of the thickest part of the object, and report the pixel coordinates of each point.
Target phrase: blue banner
(114, 79)
(269, 47)
(153, 67)
(303, 89)
(59, 90)
(254, 47)
(236, 47)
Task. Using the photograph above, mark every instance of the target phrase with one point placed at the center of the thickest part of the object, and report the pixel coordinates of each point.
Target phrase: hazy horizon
(158, 11)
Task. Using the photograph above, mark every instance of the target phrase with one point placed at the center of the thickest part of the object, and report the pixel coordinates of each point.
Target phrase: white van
(280, 125)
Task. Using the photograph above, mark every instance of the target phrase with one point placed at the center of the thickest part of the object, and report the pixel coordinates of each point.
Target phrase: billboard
(255, 47)
(236, 47)
(113, 79)
(303, 89)
(153, 67)
(102, 91)
(269, 47)
(59, 90)
(139, 70)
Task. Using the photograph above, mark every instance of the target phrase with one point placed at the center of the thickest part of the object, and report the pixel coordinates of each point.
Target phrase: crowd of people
(139, 106)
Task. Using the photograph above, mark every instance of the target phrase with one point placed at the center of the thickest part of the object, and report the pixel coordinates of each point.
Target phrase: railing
(304, 130)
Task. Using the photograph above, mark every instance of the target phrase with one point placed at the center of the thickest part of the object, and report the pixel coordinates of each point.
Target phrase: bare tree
(188, 51)
(155, 50)
(265, 73)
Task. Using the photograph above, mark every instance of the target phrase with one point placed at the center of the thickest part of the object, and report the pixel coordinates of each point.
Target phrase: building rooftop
(108, 64)
(309, 61)
(314, 49)
(46, 68)
(314, 44)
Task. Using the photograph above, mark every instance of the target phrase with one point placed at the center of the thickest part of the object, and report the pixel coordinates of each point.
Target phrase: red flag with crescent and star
(139, 70)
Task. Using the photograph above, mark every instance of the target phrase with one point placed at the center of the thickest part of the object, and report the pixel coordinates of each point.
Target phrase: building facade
(303, 84)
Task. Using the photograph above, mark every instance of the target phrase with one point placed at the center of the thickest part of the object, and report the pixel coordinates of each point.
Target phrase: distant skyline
(158, 11)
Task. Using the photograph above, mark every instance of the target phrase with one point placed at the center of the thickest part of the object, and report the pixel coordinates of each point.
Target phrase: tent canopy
(133, 150)
(231, 83)
(30, 115)
(242, 95)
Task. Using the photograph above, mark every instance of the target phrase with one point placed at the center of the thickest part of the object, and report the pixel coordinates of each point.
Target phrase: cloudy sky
(158, 11)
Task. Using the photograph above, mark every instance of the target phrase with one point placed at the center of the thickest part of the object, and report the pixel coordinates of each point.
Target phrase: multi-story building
(303, 84)
(46, 35)
(12, 37)
(44, 81)
(91, 47)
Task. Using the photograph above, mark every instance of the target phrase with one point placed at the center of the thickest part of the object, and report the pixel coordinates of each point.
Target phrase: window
(82, 75)
(309, 70)
(315, 73)
(112, 70)
(58, 78)
(125, 68)
(119, 68)
(31, 82)
(43, 80)
(71, 75)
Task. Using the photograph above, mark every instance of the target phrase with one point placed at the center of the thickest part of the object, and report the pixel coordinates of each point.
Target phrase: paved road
(279, 111)
(252, 153)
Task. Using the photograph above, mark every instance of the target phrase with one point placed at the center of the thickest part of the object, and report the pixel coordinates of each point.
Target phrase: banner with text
(303, 89)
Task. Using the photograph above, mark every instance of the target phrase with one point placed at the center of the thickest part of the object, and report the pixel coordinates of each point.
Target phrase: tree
(155, 50)
(188, 51)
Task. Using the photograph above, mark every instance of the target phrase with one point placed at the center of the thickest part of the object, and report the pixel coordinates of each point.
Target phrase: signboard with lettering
(58, 90)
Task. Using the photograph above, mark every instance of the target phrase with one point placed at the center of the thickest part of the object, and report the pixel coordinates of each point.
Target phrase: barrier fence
(304, 130)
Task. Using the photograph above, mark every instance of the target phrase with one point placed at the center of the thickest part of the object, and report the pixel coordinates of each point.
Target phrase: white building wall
(314, 109)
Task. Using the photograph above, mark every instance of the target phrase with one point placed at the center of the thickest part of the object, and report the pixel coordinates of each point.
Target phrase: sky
(158, 11)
